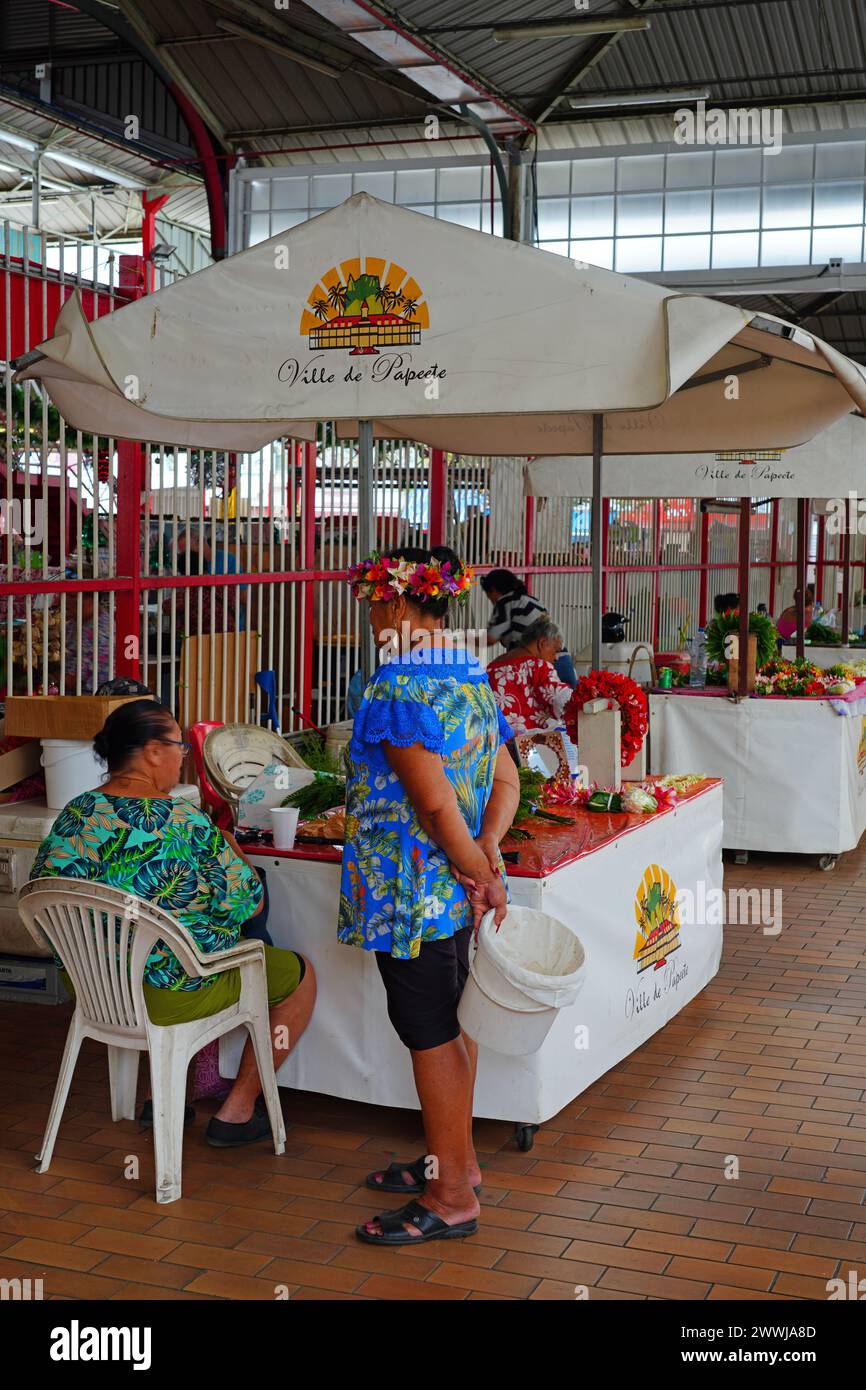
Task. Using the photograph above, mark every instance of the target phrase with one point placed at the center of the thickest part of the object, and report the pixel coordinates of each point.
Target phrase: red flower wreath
(609, 685)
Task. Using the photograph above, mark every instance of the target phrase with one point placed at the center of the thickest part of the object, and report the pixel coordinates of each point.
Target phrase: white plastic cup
(284, 823)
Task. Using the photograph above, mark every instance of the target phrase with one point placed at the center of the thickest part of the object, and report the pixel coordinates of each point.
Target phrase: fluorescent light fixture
(569, 28)
(11, 137)
(636, 99)
(86, 166)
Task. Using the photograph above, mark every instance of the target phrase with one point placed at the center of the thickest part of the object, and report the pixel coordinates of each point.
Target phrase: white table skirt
(794, 770)
(351, 1050)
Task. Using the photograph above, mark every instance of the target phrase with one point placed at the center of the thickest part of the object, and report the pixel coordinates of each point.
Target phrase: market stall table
(794, 769)
(591, 875)
(826, 656)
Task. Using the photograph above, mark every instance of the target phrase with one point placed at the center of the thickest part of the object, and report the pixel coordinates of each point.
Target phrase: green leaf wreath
(760, 624)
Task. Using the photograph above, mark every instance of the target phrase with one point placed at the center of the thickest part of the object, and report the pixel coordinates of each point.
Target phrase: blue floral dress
(165, 851)
(397, 887)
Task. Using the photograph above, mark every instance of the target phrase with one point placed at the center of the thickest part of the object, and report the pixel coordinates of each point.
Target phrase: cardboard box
(19, 763)
(61, 716)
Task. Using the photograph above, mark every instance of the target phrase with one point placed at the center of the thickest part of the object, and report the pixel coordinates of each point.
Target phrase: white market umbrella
(401, 325)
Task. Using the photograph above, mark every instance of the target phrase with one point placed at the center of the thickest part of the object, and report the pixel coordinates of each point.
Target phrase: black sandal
(393, 1180)
(428, 1224)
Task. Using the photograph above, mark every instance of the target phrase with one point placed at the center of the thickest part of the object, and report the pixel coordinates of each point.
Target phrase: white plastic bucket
(519, 979)
(71, 767)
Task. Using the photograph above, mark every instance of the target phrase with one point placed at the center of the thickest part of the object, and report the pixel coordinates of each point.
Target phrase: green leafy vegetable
(320, 795)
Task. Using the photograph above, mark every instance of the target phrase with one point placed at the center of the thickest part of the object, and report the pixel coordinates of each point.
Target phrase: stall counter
(794, 769)
(593, 875)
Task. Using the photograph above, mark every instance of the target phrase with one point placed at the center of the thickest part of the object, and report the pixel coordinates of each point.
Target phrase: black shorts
(423, 993)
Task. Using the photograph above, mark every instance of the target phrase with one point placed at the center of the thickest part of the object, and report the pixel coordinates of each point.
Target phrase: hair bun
(445, 555)
(101, 745)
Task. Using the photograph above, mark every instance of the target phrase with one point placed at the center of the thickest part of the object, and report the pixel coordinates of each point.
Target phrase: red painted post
(149, 208)
(704, 581)
(774, 554)
(128, 533)
(305, 702)
(438, 489)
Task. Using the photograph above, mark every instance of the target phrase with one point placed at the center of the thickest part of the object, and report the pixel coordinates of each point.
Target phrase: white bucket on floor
(71, 767)
(519, 979)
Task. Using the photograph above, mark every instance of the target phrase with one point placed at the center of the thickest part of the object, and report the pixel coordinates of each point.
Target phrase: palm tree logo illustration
(361, 314)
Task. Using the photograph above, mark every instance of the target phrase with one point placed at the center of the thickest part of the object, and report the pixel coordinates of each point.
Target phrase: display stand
(591, 875)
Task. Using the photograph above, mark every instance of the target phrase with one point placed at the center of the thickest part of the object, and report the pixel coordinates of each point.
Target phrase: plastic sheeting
(350, 1049)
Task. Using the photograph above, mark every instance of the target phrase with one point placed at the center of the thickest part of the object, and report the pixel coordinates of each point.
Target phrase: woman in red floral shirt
(524, 680)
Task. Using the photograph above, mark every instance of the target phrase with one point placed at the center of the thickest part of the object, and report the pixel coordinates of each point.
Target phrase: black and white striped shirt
(512, 617)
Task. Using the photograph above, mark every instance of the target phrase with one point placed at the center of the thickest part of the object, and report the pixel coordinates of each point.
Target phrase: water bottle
(698, 664)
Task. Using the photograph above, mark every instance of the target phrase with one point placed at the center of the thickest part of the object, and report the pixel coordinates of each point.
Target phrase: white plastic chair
(104, 937)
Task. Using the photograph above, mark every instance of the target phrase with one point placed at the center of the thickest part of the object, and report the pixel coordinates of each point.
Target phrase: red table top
(552, 846)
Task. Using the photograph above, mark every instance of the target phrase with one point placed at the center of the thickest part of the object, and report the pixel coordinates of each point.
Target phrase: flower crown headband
(381, 578)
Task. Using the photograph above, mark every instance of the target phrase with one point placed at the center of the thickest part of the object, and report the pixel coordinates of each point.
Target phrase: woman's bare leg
(287, 1022)
(444, 1079)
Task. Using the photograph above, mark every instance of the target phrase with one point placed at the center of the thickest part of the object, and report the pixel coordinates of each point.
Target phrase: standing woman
(429, 795)
(515, 611)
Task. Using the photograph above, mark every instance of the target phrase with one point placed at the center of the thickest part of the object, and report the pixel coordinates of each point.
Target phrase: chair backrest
(197, 734)
(103, 936)
(235, 754)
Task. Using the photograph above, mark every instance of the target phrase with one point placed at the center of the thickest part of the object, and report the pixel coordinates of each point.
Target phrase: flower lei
(632, 702)
(382, 578)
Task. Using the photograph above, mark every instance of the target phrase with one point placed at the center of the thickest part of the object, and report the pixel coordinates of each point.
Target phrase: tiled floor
(624, 1191)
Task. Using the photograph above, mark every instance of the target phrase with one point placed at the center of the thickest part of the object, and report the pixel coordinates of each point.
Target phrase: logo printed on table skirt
(861, 750)
(658, 919)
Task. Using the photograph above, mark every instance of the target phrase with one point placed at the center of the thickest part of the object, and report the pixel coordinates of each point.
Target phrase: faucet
(644, 648)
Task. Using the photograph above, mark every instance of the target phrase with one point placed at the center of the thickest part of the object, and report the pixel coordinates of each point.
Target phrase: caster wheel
(827, 862)
(525, 1136)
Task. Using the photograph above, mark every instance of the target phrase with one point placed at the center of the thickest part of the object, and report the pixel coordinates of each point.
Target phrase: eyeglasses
(177, 743)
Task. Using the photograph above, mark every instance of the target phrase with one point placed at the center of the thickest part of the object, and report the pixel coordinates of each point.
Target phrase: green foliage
(321, 759)
(319, 796)
(760, 624)
(822, 635)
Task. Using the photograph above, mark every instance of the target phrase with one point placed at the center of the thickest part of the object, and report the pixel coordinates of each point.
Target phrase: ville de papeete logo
(364, 308)
(658, 919)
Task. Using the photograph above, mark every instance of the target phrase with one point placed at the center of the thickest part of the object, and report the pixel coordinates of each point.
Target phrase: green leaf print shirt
(165, 851)
(397, 887)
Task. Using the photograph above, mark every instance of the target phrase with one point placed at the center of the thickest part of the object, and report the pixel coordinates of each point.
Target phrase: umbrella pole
(745, 539)
(366, 526)
(596, 536)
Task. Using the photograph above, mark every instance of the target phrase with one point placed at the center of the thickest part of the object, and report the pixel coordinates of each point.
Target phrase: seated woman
(786, 622)
(130, 834)
(528, 690)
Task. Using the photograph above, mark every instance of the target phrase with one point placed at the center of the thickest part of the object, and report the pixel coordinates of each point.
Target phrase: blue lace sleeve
(387, 717)
(505, 730)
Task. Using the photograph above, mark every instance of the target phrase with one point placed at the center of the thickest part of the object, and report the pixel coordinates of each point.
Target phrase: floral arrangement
(763, 627)
(803, 678)
(381, 578)
(626, 693)
(633, 797)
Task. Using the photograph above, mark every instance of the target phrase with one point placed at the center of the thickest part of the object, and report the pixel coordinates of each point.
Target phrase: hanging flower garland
(627, 694)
